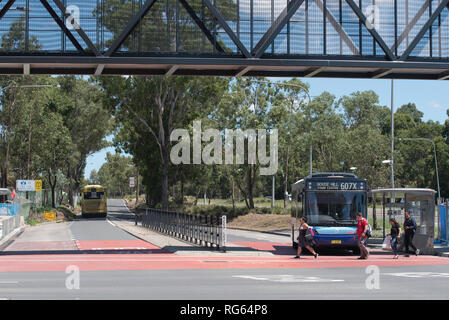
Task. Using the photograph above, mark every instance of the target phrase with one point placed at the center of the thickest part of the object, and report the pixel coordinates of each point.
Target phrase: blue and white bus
(330, 201)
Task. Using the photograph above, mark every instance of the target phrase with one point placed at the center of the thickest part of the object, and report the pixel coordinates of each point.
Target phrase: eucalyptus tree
(83, 104)
(149, 108)
(114, 174)
(246, 107)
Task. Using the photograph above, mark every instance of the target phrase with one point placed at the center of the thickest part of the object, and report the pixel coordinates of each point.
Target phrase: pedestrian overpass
(406, 39)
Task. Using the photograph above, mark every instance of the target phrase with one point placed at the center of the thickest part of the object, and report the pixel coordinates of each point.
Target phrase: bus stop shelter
(420, 203)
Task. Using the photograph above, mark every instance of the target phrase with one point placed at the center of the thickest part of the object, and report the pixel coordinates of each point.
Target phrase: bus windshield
(334, 208)
(93, 195)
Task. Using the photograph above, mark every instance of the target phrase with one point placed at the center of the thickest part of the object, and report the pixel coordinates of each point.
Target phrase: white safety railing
(209, 231)
(8, 225)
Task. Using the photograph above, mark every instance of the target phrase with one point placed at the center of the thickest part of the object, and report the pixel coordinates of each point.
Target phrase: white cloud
(435, 105)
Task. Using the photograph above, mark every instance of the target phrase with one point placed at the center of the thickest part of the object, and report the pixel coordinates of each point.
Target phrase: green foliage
(48, 132)
(115, 174)
(353, 131)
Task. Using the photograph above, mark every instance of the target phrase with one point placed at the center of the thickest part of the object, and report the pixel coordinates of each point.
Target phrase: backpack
(309, 234)
(369, 232)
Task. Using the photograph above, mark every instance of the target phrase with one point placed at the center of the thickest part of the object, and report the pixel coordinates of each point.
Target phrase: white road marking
(419, 274)
(110, 222)
(287, 278)
(9, 282)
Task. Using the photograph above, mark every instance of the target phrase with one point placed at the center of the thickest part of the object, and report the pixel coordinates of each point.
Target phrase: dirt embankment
(62, 213)
(261, 222)
(250, 221)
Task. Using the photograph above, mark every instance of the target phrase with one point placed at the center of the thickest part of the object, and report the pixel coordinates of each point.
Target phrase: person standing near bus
(362, 229)
(302, 241)
(410, 229)
(395, 233)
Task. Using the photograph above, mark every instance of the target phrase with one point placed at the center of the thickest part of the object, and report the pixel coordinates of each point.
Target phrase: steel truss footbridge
(401, 39)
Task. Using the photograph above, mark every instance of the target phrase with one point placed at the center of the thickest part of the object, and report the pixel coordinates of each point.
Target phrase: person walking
(409, 229)
(395, 233)
(302, 241)
(362, 229)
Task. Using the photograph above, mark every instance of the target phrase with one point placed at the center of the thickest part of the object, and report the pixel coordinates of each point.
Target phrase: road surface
(94, 259)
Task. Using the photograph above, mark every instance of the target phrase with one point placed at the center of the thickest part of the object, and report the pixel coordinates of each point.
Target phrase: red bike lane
(141, 255)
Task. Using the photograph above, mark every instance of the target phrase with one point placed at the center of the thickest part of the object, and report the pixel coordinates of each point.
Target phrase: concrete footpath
(441, 250)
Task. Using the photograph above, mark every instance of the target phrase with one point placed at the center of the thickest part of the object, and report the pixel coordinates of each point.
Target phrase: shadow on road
(122, 216)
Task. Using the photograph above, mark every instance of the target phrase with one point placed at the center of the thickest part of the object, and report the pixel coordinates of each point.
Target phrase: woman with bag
(302, 240)
(395, 233)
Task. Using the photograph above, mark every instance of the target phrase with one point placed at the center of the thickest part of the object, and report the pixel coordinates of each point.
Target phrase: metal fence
(209, 231)
(8, 225)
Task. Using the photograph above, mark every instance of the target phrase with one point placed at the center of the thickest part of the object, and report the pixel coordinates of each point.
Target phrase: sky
(431, 97)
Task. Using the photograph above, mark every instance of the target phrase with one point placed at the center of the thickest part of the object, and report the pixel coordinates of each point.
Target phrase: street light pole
(392, 133)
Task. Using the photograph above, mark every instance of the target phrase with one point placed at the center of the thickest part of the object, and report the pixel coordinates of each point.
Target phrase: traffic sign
(29, 185)
(25, 185)
(38, 185)
(131, 182)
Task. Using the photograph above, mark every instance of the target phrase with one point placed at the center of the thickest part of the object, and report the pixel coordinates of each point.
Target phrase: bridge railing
(208, 231)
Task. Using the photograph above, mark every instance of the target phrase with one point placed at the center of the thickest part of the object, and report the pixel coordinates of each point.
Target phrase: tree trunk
(70, 195)
(137, 186)
(165, 185)
(250, 185)
(233, 194)
(29, 146)
(182, 190)
(53, 190)
(286, 178)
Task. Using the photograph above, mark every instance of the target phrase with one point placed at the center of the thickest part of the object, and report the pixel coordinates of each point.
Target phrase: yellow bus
(93, 201)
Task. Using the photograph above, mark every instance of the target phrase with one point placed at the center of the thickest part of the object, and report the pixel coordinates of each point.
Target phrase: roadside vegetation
(351, 131)
(37, 215)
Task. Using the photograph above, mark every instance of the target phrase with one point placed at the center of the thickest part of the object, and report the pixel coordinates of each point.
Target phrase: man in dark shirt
(410, 229)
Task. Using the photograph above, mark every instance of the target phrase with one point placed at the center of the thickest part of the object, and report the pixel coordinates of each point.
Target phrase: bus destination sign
(336, 185)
